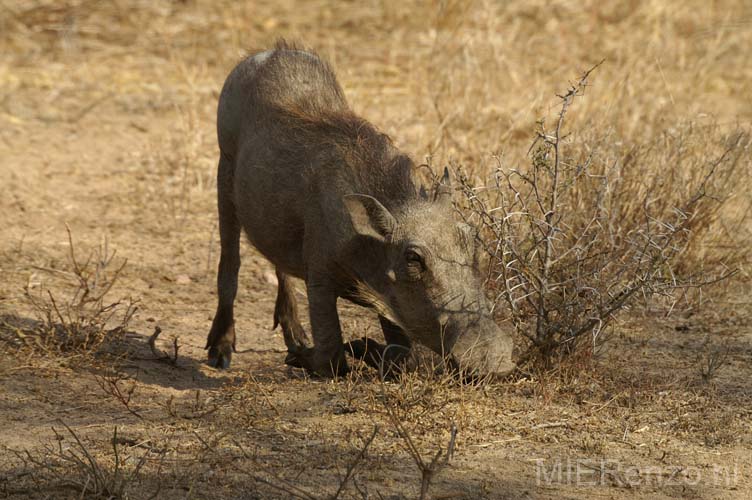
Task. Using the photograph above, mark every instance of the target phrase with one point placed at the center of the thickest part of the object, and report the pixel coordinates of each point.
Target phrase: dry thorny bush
(84, 320)
(594, 225)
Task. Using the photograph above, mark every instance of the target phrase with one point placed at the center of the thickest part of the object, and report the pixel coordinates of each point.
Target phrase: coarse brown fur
(326, 197)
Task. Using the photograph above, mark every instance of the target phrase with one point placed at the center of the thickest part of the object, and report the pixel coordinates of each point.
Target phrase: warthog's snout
(482, 350)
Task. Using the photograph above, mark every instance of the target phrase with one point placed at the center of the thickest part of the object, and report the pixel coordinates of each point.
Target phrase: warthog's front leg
(327, 357)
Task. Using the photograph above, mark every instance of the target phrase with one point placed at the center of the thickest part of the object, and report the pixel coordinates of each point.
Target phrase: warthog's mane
(367, 157)
(321, 130)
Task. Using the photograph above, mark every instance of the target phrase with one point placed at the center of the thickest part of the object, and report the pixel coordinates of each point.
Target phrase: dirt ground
(106, 126)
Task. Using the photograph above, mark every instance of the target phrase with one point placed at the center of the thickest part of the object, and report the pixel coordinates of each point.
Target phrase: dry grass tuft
(69, 464)
(711, 360)
(180, 166)
(84, 321)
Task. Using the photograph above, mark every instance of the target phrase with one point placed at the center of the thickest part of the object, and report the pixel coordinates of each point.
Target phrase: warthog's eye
(415, 263)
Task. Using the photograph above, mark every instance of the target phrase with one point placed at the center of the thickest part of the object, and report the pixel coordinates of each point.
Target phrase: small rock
(340, 409)
(270, 277)
(182, 279)
(270, 24)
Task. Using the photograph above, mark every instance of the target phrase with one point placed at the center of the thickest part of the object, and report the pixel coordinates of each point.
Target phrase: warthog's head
(429, 281)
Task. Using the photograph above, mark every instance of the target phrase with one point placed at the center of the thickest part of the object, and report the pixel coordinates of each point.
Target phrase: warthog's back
(295, 149)
(264, 103)
(281, 79)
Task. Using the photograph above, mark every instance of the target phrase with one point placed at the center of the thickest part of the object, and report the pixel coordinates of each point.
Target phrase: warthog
(328, 198)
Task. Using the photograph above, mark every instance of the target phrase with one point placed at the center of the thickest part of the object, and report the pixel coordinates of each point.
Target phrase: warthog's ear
(444, 189)
(368, 216)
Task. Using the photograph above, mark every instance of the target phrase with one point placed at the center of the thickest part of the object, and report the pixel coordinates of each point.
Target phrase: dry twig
(160, 355)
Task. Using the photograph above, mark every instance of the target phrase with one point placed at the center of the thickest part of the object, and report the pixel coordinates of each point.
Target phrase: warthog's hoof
(304, 357)
(357, 348)
(293, 359)
(300, 357)
(220, 356)
(388, 359)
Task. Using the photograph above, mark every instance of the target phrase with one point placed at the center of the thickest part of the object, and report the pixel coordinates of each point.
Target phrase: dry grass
(133, 86)
(71, 465)
(84, 321)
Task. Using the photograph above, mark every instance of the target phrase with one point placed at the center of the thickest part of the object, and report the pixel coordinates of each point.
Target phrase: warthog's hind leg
(286, 316)
(221, 339)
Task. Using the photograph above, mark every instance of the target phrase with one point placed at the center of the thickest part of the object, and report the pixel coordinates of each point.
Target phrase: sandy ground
(112, 144)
